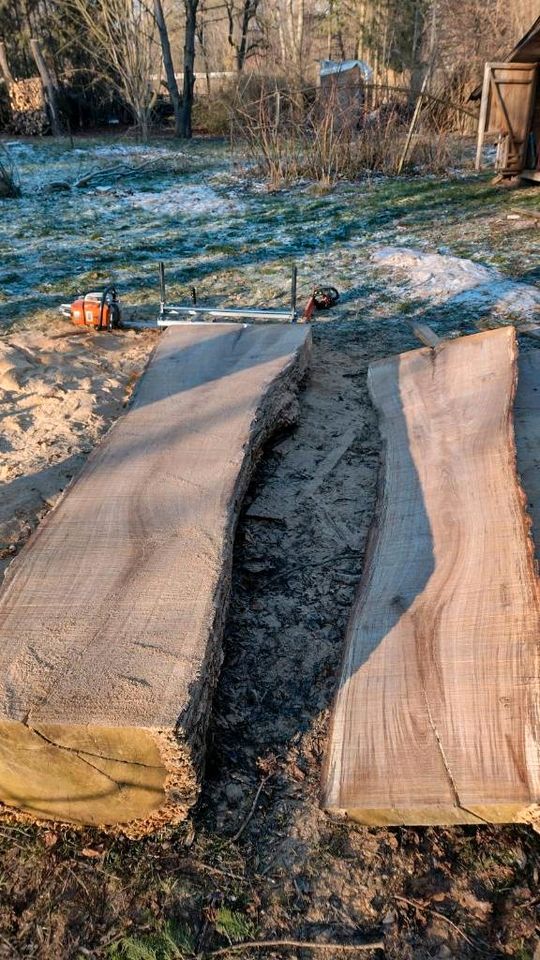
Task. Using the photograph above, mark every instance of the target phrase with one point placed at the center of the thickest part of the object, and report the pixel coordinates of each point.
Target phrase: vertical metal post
(161, 289)
(294, 279)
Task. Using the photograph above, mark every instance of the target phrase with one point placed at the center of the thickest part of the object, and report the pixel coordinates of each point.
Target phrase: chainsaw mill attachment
(168, 314)
(101, 311)
(322, 298)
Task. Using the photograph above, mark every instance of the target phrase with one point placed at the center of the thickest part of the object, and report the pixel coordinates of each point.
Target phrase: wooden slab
(111, 618)
(437, 715)
(527, 429)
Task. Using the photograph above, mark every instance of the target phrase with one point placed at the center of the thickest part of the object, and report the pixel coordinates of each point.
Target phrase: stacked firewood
(28, 110)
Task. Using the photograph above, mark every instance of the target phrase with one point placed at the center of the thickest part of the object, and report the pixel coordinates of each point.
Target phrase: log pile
(28, 109)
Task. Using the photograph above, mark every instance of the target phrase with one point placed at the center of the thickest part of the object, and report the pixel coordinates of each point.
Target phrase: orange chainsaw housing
(85, 312)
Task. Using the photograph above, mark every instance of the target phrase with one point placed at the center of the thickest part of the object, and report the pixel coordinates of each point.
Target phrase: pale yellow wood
(484, 106)
(111, 618)
(523, 213)
(437, 715)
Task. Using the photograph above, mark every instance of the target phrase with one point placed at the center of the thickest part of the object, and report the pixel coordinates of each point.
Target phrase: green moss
(233, 925)
(170, 942)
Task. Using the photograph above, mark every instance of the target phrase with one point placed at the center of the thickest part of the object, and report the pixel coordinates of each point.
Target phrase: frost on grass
(185, 201)
(218, 229)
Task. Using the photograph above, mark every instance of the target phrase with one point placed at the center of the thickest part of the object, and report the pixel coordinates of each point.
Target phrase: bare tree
(191, 7)
(291, 24)
(172, 85)
(121, 33)
(239, 19)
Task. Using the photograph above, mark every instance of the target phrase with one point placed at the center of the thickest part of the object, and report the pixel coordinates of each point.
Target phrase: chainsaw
(98, 310)
(102, 311)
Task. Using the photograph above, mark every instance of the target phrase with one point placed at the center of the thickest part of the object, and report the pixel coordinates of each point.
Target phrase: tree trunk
(189, 67)
(249, 11)
(169, 66)
(143, 124)
(49, 88)
(4, 65)
(297, 33)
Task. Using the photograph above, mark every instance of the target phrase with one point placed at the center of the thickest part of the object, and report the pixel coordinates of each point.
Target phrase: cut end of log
(130, 779)
(81, 774)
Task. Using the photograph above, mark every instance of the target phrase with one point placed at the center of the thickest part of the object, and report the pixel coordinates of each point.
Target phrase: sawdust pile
(60, 390)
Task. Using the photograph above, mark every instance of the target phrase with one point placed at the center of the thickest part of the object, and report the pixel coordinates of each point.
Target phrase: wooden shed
(510, 109)
(343, 85)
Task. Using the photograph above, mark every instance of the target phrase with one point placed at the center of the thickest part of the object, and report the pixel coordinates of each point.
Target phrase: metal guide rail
(167, 314)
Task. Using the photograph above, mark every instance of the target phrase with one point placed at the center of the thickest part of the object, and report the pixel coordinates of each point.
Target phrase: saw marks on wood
(527, 427)
(111, 618)
(438, 711)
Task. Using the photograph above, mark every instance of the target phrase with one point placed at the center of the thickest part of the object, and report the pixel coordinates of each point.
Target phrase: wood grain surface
(437, 715)
(111, 618)
(527, 429)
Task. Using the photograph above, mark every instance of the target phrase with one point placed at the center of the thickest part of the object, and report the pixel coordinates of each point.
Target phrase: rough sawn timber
(111, 617)
(436, 720)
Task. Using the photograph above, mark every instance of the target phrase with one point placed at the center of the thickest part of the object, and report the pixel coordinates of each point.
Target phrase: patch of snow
(184, 201)
(443, 278)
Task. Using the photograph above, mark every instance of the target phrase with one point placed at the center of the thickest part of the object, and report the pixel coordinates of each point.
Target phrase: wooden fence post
(483, 116)
(412, 127)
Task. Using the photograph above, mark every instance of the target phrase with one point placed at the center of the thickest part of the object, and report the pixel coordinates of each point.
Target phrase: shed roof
(528, 48)
(329, 67)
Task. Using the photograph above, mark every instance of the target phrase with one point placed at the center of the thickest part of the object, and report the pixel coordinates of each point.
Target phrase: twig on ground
(441, 916)
(113, 172)
(292, 944)
(199, 865)
(526, 214)
(252, 809)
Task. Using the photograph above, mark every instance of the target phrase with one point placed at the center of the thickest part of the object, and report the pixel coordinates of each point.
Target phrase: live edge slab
(111, 618)
(437, 717)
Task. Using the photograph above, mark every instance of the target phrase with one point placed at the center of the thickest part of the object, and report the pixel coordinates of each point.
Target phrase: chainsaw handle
(108, 298)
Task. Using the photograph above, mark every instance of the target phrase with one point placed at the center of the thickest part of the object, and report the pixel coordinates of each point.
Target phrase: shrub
(212, 112)
(9, 177)
(291, 135)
